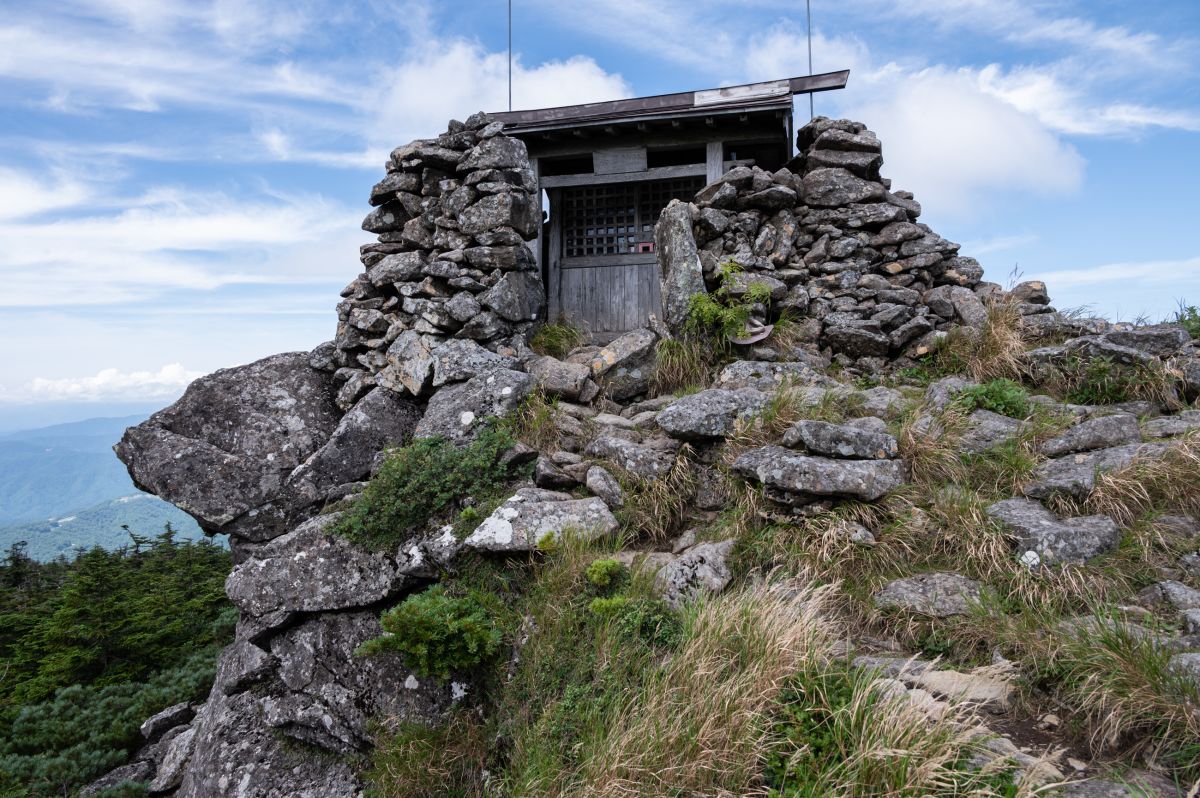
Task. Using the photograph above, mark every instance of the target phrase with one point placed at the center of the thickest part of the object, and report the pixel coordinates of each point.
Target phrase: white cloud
(111, 384)
(1002, 243)
(452, 79)
(1176, 273)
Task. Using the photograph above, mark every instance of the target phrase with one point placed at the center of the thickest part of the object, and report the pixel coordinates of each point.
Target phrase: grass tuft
(684, 364)
(557, 339)
(993, 351)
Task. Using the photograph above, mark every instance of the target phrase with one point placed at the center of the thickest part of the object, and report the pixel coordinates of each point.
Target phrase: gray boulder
(638, 459)
(938, 595)
(787, 471)
(457, 412)
(1101, 432)
(460, 359)
(1172, 426)
(987, 430)
(679, 267)
(155, 726)
(223, 452)
(1054, 540)
(840, 440)
(379, 420)
(517, 296)
(603, 484)
(710, 415)
(701, 569)
(625, 365)
(764, 376)
(409, 364)
(833, 187)
(1158, 340)
(1075, 474)
(175, 759)
(558, 378)
(528, 516)
(311, 569)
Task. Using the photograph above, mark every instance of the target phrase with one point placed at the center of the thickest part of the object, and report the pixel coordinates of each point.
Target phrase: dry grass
(990, 352)
(1116, 674)
(532, 423)
(700, 726)
(1150, 485)
(682, 364)
(655, 508)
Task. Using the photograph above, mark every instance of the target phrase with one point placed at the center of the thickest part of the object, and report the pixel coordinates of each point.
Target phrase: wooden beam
(581, 134)
(715, 157)
(610, 130)
(657, 173)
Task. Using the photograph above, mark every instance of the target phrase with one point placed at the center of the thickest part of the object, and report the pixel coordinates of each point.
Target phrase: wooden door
(602, 241)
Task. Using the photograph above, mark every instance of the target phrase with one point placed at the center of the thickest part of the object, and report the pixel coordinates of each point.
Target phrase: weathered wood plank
(619, 160)
(657, 173)
(715, 152)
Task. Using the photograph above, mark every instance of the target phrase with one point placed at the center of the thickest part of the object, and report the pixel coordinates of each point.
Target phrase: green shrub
(556, 340)
(720, 314)
(1188, 317)
(438, 633)
(423, 481)
(999, 396)
(54, 747)
(1101, 381)
(605, 573)
(608, 607)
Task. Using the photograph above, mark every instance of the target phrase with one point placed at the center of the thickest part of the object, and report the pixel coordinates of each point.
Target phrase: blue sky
(181, 183)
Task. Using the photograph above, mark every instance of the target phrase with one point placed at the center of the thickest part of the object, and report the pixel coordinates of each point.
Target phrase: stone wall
(452, 216)
(839, 251)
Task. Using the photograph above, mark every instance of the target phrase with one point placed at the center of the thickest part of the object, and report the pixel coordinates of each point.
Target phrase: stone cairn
(836, 248)
(452, 215)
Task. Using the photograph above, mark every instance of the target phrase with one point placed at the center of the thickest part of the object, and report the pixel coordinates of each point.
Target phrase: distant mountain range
(62, 487)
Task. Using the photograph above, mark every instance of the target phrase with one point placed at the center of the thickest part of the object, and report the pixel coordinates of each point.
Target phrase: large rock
(625, 366)
(558, 378)
(1075, 474)
(515, 210)
(840, 440)
(701, 569)
(531, 515)
(461, 359)
(638, 459)
(790, 472)
(223, 452)
(321, 696)
(834, 187)
(1096, 433)
(1054, 540)
(1171, 426)
(457, 412)
(1158, 340)
(679, 267)
(517, 296)
(379, 420)
(161, 722)
(939, 595)
(710, 415)
(409, 362)
(987, 430)
(765, 376)
(310, 569)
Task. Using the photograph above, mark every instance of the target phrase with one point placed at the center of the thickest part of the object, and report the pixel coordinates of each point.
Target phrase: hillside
(53, 471)
(849, 520)
(100, 525)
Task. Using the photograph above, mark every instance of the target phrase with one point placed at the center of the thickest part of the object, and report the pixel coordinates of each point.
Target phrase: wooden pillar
(715, 160)
(536, 243)
(554, 302)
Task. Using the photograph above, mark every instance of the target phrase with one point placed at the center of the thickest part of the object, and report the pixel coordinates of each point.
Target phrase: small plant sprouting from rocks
(556, 340)
(605, 573)
(999, 396)
(721, 315)
(438, 633)
(423, 481)
(1101, 381)
(1188, 317)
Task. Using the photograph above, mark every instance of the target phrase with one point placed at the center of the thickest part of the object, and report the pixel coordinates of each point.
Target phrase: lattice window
(613, 219)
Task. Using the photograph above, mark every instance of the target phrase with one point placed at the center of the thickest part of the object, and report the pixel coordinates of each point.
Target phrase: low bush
(1101, 381)
(437, 633)
(605, 573)
(556, 340)
(1001, 396)
(423, 481)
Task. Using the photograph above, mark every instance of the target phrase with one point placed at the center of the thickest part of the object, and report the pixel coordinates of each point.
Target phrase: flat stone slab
(457, 412)
(529, 516)
(1172, 426)
(840, 440)
(1051, 539)
(938, 595)
(638, 459)
(1075, 474)
(987, 430)
(710, 415)
(785, 470)
(1102, 432)
(701, 569)
(764, 376)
